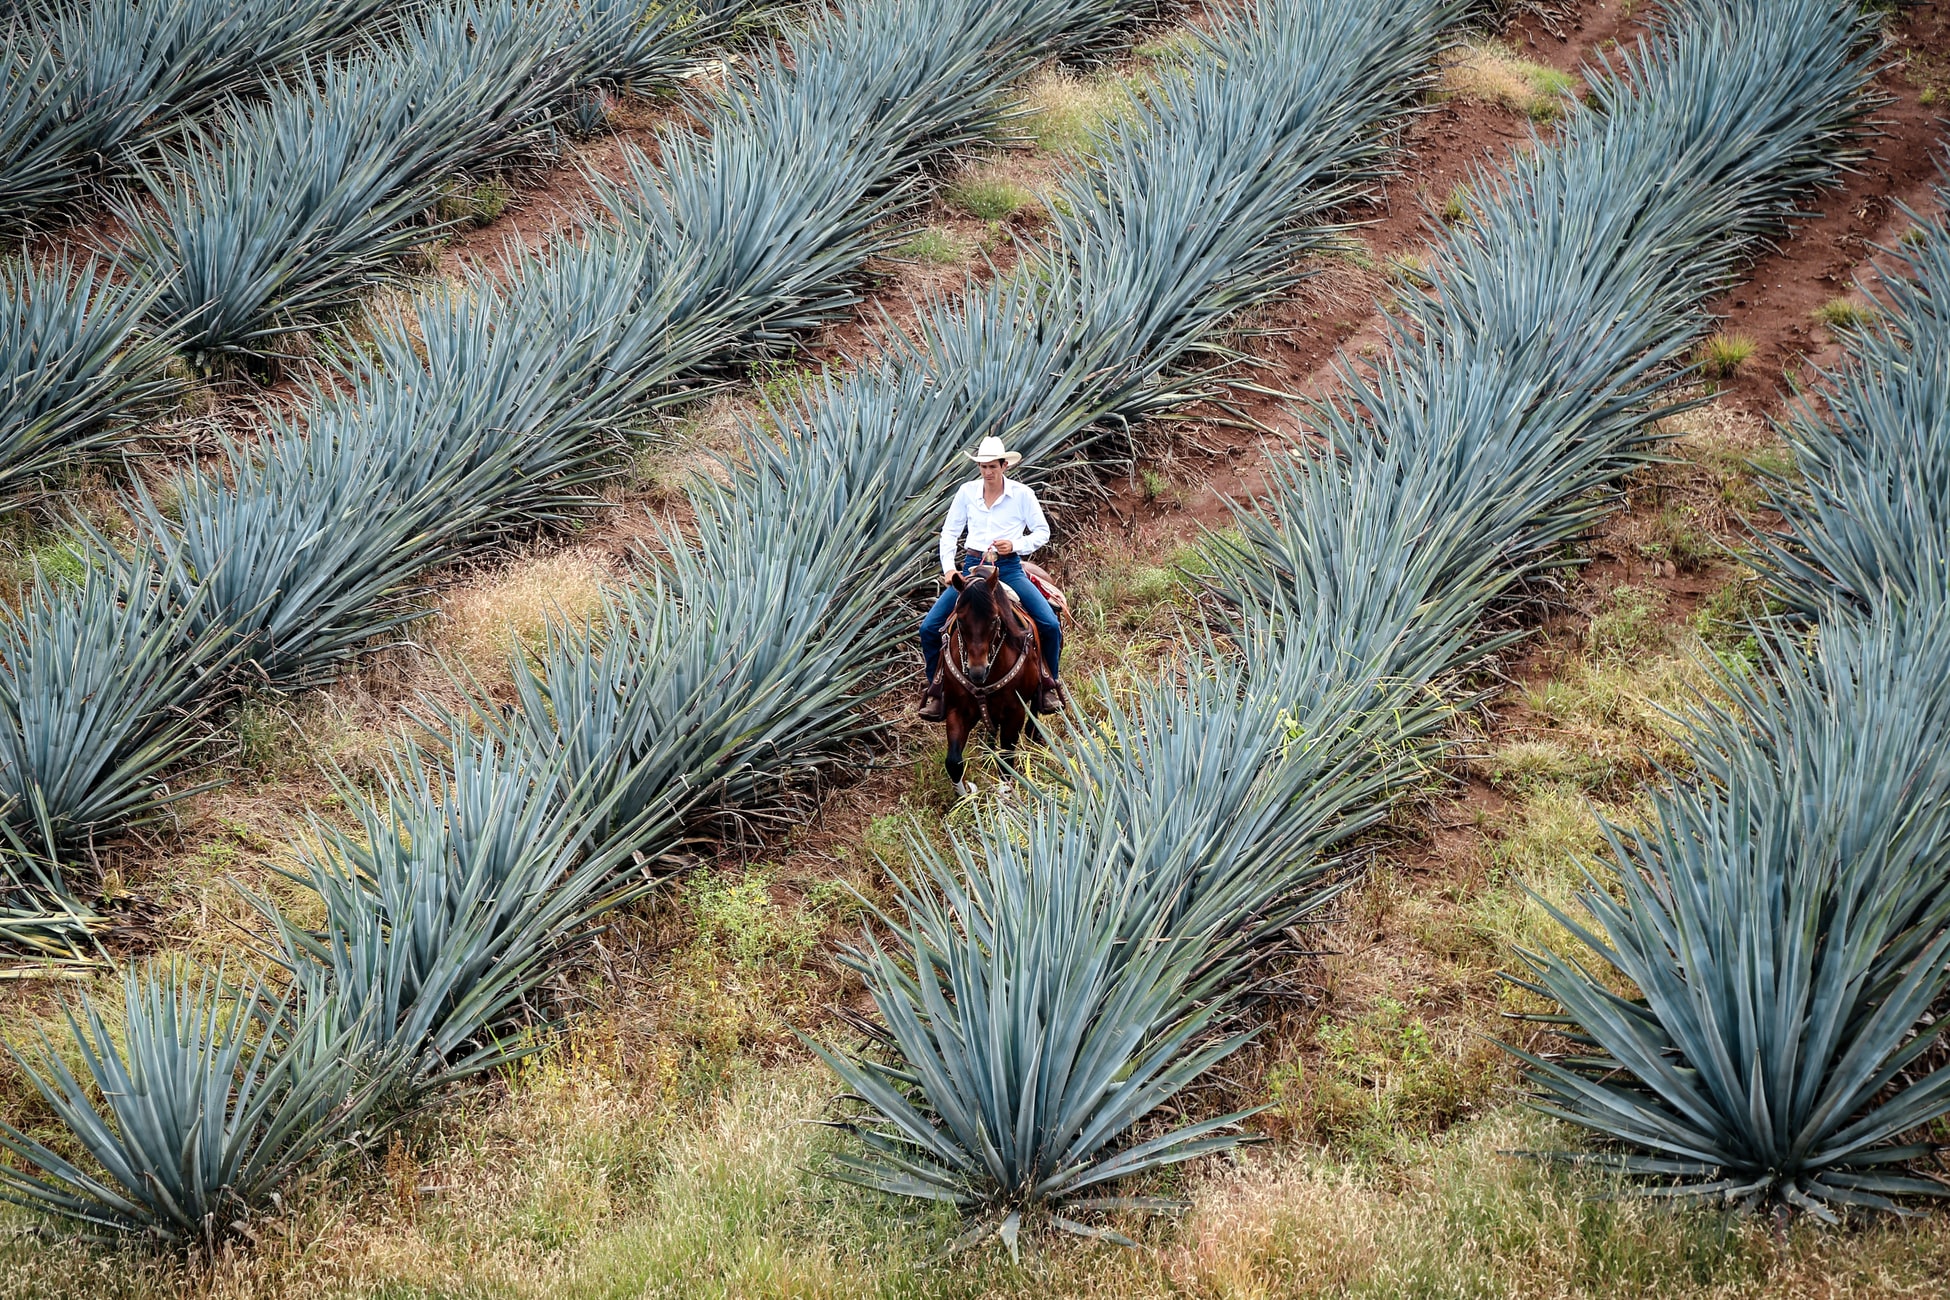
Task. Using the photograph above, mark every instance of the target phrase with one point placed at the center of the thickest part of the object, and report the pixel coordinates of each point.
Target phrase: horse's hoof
(1005, 790)
(966, 789)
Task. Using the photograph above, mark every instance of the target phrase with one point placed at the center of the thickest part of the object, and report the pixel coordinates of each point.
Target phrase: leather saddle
(1044, 583)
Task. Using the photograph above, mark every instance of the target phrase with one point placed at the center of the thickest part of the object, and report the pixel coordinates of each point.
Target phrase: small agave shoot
(215, 1098)
(1783, 923)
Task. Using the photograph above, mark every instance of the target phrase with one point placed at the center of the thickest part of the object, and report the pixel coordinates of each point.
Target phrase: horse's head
(978, 619)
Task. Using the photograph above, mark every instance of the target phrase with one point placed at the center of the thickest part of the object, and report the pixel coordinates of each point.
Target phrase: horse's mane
(979, 597)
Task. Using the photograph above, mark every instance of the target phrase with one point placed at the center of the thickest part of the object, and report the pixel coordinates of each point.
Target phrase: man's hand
(1003, 546)
(947, 577)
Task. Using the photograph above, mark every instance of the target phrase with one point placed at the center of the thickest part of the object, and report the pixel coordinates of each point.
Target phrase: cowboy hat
(992, 449)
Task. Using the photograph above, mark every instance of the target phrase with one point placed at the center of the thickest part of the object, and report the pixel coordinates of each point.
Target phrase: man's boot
(1049, 695)
(934, 708)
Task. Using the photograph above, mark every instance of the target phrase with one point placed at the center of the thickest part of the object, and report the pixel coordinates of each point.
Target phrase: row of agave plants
(272, 212)
(1063, 973)
(479, 408)
(1785, 919)
(89, 83)
(490, 404)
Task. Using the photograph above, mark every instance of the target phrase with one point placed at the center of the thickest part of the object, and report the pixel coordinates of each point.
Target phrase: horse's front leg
(958, 728)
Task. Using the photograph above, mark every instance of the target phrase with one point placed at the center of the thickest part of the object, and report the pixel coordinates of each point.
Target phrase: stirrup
(1050, 697)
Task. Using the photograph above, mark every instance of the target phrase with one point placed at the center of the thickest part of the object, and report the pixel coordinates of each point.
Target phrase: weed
(931, 245)
(1456, 208)
(1527, 764)
(1173, 47)
(504, 613)
(1722, 355)
(1724, 622)
(1619, 710)
(1629, 625)
(989, 198)
(1382, 1076)
(1673, 536)
(1067, 113)
(780, 382)
(480, 203)
(1410, 268)
(1155, 487)
(269, 743)
(736, 915)
(1128, 596)
(1353, 250)
(1842, 314)
(58, 559)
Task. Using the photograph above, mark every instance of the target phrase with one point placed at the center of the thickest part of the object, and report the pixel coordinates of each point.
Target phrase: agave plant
(102, 683)
(213, 1100)
(286, 564)
(1035, 1014)
(1783, 921)
(75, 367)
(468, 878)
(791, 190)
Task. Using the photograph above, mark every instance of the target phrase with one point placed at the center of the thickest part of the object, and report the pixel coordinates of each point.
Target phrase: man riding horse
(993, 520)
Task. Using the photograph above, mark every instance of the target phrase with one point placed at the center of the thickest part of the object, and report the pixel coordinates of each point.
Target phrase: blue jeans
(1009, 569)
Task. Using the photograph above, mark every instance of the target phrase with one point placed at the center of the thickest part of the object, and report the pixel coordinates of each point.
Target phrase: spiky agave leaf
(1036, 1013)
(1233, 784)
(471, 870)
(75, 367)
(213, 1100)
(288, 564)
(102, 682)
(1784, 923)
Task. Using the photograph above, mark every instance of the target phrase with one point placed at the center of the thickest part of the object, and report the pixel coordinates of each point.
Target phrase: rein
(991, 687)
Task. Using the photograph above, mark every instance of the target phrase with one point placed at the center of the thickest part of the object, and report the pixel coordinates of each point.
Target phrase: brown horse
(991, 663)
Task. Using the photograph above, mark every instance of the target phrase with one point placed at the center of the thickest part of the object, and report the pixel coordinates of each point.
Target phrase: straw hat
(992, 449)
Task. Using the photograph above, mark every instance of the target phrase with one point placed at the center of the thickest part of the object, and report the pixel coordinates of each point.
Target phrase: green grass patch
(989, 198)
(1629, 624)
(932, 245)
(1068, 113)
(1843, 314)
(1722, 355)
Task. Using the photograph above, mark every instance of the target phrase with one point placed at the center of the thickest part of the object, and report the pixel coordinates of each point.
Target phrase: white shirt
(1017, 515)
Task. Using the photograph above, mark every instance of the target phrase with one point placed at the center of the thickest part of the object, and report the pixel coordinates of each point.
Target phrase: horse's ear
(958, 580)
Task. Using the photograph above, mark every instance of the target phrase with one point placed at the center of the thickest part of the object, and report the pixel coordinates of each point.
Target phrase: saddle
(1044, 583)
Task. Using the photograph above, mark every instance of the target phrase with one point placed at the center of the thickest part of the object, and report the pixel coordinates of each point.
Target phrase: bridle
(991, 686)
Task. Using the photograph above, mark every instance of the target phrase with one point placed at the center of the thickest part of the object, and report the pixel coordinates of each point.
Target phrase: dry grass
(1068, 112)
(483, 623)
(1491, 72)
